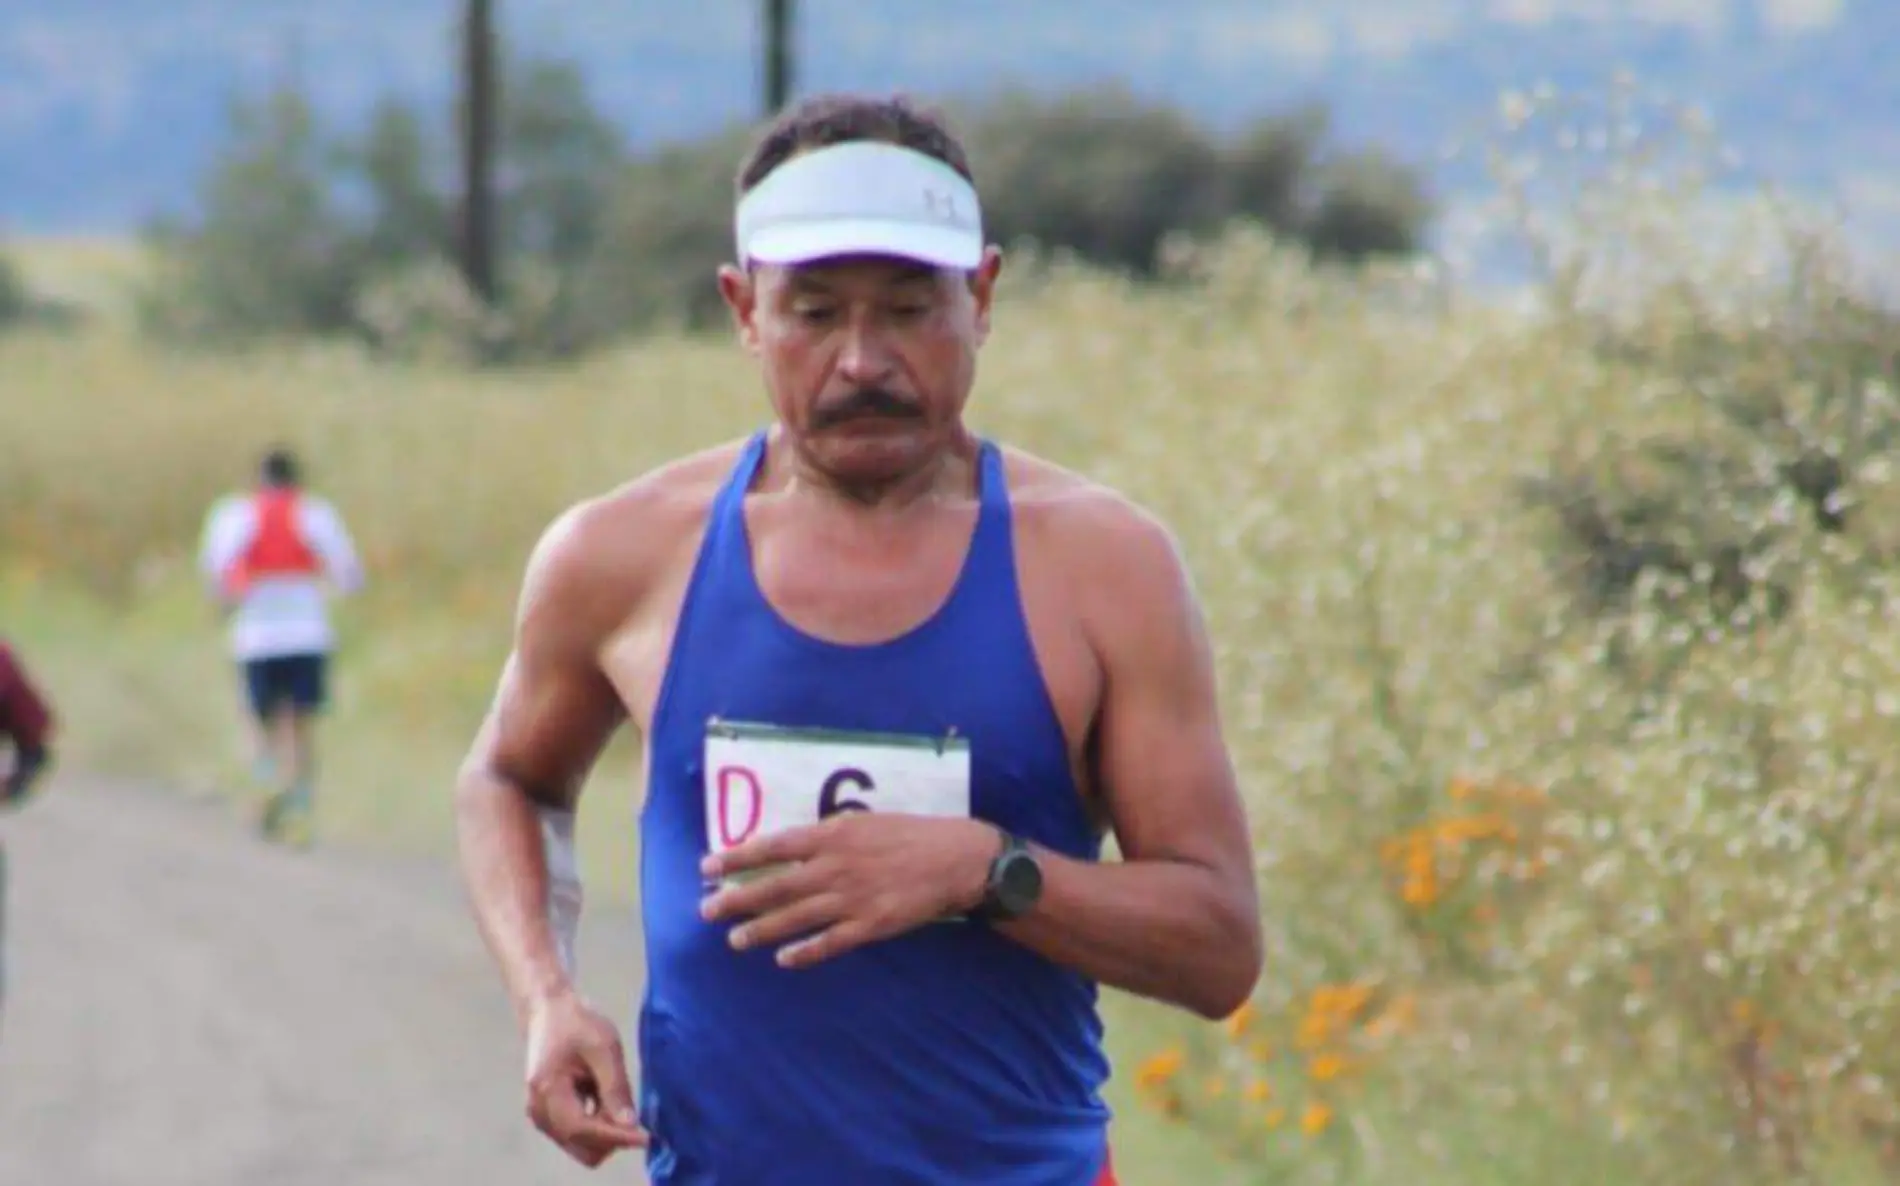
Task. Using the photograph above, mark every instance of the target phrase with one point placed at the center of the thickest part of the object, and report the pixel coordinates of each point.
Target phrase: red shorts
(1108, 1173)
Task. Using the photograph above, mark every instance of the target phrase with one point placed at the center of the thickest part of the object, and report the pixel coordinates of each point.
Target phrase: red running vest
(277, 547)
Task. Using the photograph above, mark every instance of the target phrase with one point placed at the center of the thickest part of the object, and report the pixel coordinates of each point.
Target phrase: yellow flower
(1160, 1069)
(1397, 1016)
(1215, 1087)
(1349, 999)
(1315, 1119)
(1259, 1091)
(1240, 1020)
(1326, 1067)
(1461, 829)
(1313, 1031)
(1274, 1117)
(1340, 1000)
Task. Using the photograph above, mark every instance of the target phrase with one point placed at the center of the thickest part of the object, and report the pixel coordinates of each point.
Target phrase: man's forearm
(1169, 930)
(505, 872)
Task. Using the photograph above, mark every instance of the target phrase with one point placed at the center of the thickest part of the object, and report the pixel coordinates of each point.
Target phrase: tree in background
(304, 231)
(1099, 174)
(272, 251)
(1107, 175)
(1096, 172)
(559, 161)
(409, 219)
(778, 69)
(1269, 167)
(1362, 205)
(477, 127)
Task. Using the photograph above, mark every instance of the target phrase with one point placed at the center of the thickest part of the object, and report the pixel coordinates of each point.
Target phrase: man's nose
(866, 355)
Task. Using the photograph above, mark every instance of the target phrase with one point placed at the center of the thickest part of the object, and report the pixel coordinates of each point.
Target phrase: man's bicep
(1162, 759)
(554, 708)
(547, 726)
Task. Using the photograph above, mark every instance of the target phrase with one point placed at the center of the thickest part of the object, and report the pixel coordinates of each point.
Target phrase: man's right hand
(578, 1091)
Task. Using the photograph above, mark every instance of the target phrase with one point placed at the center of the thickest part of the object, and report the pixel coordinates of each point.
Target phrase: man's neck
(942, 474)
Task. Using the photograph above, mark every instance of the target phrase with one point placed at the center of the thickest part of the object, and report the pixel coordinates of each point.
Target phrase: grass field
(1531, 917)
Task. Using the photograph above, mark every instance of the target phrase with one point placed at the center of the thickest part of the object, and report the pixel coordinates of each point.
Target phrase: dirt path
(189, 1007)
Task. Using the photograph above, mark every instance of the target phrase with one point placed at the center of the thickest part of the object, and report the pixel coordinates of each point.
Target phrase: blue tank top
(949, 1055)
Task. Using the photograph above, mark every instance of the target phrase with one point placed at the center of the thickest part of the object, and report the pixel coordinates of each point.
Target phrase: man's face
(868, 360)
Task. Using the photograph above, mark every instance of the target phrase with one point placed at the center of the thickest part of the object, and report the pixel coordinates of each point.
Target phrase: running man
(272, 558)
(895, 682)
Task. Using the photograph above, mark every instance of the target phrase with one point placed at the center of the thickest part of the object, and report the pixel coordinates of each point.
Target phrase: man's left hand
(853, 879)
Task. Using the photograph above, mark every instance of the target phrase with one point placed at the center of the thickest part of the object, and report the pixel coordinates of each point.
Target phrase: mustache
(865, 402)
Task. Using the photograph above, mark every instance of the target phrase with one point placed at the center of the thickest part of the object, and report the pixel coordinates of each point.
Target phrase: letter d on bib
(737, 803)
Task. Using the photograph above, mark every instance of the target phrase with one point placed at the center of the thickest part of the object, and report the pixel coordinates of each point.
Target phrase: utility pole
(779, 17)
(478, 148)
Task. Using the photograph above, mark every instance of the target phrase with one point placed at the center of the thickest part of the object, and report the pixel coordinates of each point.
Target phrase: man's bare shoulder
(1084, 519)
(1119, 566)
(603, 552)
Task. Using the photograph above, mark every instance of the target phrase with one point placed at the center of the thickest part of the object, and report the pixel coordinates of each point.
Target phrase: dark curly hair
(826, 119)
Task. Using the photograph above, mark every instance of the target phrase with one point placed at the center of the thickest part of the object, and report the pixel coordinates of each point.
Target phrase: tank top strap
(991, 566)
(731, 496)
(992, 488)
(724, 558)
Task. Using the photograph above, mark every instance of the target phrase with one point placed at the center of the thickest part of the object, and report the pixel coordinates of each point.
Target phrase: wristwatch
(1014, 884)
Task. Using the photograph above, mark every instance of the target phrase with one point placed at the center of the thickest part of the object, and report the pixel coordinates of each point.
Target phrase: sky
(109, 109)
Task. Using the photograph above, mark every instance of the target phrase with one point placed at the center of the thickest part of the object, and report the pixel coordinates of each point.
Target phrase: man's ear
(739, 288)
(982, 281)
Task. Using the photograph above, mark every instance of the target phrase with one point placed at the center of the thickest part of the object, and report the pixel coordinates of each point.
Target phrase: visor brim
(808, 242)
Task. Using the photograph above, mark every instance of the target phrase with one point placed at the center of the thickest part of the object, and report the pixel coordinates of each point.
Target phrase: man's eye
(814, 314)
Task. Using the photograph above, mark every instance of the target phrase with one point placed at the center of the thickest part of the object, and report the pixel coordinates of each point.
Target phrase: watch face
(1019, 883)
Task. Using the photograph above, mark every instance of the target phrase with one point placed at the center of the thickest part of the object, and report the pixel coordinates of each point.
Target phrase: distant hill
(109, 108)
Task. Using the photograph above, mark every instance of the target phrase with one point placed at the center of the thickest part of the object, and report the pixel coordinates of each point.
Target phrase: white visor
(861, 198)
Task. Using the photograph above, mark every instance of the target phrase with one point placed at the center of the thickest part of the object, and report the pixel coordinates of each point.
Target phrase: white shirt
(281, 615)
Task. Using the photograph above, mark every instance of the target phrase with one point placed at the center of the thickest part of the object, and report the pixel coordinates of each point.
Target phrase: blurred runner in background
(273, 558)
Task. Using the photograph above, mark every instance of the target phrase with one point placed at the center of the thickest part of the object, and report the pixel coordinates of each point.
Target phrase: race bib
(763, 779)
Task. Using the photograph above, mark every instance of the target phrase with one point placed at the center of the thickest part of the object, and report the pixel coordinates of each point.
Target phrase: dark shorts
(290, 681)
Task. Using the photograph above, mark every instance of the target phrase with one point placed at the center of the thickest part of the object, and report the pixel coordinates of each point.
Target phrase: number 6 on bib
(765, 779)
